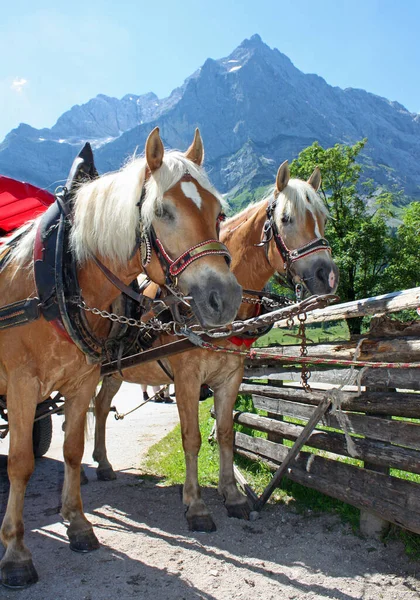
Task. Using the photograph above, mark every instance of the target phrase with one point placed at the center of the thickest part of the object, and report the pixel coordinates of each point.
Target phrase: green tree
(357, 229)
(404, 269)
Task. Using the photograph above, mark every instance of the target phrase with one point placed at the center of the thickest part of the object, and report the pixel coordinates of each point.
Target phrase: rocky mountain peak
(254, 109)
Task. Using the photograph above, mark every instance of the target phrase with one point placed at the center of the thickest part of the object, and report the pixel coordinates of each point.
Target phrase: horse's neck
(97, 291)
(249, 262)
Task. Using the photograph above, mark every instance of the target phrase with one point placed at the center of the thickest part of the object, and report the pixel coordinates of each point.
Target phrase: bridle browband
(270, 231)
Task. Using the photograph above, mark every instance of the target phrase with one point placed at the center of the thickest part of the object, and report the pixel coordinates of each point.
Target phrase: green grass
(333, 331)
(166, 458)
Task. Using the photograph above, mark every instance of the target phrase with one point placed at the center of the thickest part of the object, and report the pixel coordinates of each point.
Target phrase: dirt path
(147, 552)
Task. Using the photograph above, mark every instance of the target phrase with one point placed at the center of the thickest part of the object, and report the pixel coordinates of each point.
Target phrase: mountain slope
(254, 109)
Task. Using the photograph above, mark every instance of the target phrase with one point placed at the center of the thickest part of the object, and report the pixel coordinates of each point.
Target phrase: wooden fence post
(275, 437)
(370, 524)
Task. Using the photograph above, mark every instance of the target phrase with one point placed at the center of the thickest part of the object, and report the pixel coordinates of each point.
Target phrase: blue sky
(56, 54)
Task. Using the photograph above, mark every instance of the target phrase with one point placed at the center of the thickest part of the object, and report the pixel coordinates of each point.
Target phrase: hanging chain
(305, 373)
(298, 310)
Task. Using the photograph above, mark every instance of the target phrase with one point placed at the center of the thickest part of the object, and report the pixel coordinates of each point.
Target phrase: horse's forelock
(175, 165)
(294, 200)
(106, 210)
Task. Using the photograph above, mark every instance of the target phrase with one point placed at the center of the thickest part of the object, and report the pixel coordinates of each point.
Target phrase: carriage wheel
(41, 436)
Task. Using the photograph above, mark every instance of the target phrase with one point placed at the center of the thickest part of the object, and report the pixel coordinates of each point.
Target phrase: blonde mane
(106, 215)
(293, 201)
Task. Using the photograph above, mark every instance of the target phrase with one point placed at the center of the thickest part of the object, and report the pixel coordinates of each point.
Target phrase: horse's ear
(195, 152)
(283, 176)
(154, 150)
(315, 179)
(83, 168)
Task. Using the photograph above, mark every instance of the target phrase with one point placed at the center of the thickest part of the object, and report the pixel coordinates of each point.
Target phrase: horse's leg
(17, 569)
(225, 395)
(187, 393)
(79, 531)
(110, 387)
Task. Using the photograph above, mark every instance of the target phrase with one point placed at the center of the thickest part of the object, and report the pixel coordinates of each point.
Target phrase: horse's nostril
(215, 301)
(321, 274)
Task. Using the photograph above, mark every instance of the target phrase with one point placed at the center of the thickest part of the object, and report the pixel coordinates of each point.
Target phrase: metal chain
(267, 302)
(120, 416)
(152, 325)
(288, 312)
(305, 373)
(235, 328)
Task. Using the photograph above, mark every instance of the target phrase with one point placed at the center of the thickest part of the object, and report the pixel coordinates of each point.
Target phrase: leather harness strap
(270, 231)
(177, 266)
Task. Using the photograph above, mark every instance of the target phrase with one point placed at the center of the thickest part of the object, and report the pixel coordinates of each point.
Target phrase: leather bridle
(148, 242)
(270, 230)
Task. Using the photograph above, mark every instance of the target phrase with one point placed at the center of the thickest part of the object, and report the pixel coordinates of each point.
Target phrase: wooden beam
(396, 404)
(407, 379)
(386, 303)
(372, 451)
(395, 432)
(401, 349)
(317, 414)
(391, 498)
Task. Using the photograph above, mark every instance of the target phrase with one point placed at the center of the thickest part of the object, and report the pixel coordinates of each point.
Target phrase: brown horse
(164, 193)
(298, 221)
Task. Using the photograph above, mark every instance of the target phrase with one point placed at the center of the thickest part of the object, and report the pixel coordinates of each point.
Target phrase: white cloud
(18, 84)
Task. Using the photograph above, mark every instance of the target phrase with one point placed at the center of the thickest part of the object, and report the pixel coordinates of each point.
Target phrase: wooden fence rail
(366, 451)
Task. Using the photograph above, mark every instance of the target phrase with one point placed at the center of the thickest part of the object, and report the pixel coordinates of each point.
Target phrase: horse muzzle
(322, 277)
(215, 299)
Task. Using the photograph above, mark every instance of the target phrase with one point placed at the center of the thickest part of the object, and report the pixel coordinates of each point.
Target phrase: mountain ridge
(254, 109)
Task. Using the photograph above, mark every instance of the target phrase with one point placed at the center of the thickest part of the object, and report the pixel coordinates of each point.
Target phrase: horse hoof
(202, 523)
(107, 474)
(84, 541)
(83, 477)
(238, 511)
(18, 575)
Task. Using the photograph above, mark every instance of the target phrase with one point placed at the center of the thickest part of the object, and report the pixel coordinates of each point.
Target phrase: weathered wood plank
(377, 453)
(277, 373)
(407, 379)
(304, 435)
(369, 306)
(395, 432)
(398, 404)
(402, 349)
(393, 499)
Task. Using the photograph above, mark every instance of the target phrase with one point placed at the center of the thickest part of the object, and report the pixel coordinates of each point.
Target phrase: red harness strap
(237, 340)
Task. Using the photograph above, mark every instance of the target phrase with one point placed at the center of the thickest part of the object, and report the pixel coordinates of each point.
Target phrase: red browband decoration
(181, 263)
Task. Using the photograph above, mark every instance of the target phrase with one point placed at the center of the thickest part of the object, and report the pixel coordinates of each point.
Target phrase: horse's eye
(286, 219)
(220, 218)
(162, 212)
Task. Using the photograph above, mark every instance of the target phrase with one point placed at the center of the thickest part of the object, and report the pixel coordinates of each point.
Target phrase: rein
(270, 231)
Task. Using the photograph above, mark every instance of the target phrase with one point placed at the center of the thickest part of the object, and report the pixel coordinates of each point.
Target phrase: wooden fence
(371, 420)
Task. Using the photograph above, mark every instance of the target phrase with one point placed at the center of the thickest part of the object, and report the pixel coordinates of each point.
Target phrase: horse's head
(299, 249)
(180, 212)
(160, 211)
